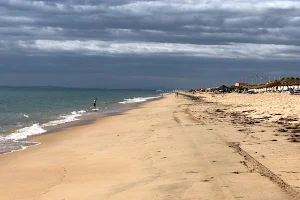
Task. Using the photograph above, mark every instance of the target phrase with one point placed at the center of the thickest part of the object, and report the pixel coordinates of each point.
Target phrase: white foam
(78, 112)
(137, 100)
(24, 115)
(2, 138)
(65, 118)
(23, 147)
(25, 132)
(37, 129)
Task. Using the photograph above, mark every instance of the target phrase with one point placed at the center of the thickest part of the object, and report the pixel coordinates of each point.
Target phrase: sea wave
(25, 132)
(65, 118)
(24, 115)
(78, 112)
(9, 146)
(37, 129)
(2, 138)
(138, 99)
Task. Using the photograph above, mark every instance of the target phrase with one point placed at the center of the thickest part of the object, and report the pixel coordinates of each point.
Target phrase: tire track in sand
(255, 164)
(264, 171)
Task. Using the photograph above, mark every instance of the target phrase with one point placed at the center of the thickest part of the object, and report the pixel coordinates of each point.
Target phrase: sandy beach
(207, 147)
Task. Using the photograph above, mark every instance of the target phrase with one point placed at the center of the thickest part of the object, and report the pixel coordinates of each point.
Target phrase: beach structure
(285, 84)
(240, 84)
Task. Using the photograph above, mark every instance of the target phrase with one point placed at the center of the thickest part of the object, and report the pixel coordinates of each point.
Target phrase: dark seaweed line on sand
(263, 170)
(190, 96)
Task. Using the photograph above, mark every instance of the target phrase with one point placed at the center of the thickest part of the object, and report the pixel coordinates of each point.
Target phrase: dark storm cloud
(152, 72)
(193, 22)
(177, 39)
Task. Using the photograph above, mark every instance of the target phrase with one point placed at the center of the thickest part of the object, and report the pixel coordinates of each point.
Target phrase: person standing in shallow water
(95, 102)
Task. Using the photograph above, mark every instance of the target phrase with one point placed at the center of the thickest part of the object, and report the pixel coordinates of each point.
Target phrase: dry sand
(174, 148)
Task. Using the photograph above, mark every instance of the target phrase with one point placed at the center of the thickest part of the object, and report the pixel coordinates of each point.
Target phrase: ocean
(29, 111)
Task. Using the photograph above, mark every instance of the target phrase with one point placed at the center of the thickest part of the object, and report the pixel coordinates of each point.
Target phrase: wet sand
(173, 148)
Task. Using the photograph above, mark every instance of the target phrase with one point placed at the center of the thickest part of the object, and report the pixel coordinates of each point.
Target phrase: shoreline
(172, 148)
(80, 121)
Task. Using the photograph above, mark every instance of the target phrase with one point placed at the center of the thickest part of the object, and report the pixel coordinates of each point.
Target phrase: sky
(158, 44)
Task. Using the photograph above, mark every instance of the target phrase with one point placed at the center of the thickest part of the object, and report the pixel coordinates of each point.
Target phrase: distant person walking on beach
(176, 94)
(95, 101)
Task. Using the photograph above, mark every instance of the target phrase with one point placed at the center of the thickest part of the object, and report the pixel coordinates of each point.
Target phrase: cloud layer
(94, 47)
(147, 43)
(235, 28)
